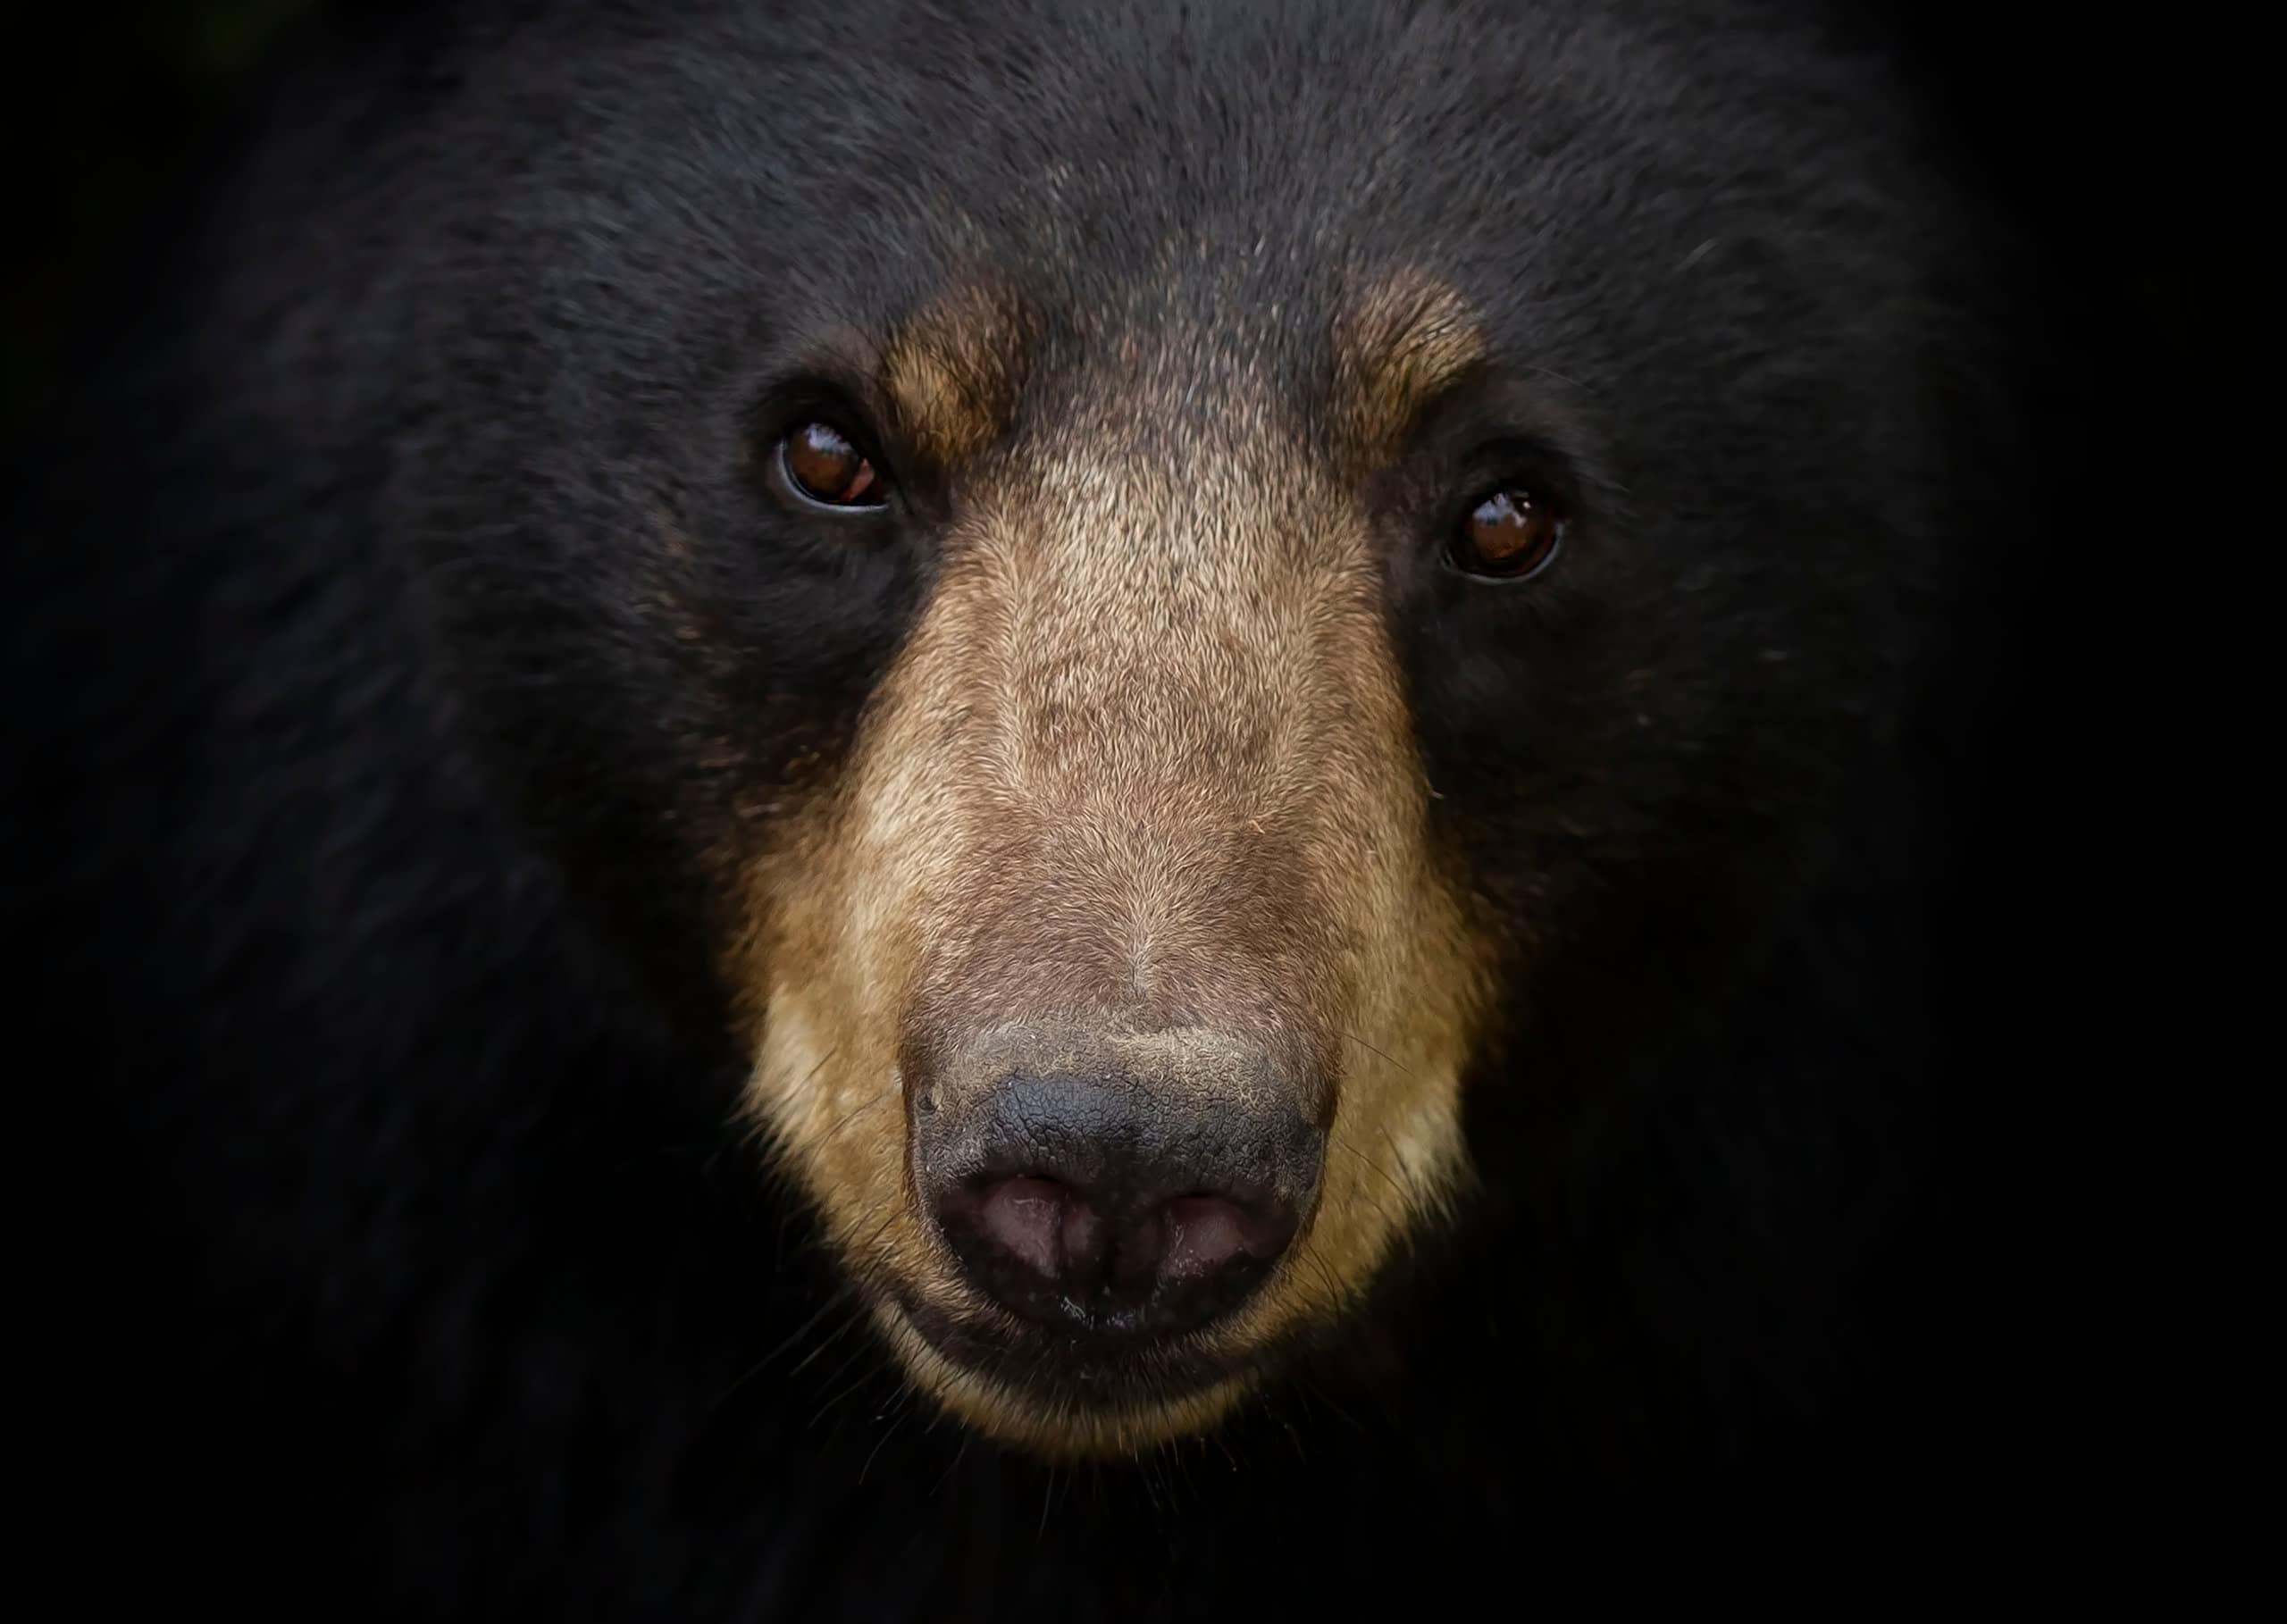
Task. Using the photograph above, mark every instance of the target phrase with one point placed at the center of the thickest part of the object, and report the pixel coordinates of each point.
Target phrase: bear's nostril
(1207, 1232)
(1045, 1224)
(1091, 1209)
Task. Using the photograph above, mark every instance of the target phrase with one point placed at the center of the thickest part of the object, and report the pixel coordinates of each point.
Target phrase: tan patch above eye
(1401, 343)
(954, 371)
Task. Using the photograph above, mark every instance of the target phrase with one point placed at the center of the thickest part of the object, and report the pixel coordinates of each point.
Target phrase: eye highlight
(822, 464)
(1512, 533)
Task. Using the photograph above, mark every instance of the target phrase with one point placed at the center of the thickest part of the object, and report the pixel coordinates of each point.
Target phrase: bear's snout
(1127, 1187)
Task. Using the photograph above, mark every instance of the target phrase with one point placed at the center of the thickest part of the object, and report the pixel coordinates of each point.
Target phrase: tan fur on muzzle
(1144, 768)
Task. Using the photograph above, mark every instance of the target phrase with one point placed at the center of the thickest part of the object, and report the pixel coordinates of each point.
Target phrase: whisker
(1323, 1397)
(896, 1421)
(1383, 1053)
(1386, 1176)
(960, 1455)
(856, 1354)
(834, 1299)
(812, 1357)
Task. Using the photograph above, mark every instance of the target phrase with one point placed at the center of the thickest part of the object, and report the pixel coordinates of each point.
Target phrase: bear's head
(1145, 606)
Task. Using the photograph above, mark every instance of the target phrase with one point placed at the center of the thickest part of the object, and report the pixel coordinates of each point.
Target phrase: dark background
(2124, 149)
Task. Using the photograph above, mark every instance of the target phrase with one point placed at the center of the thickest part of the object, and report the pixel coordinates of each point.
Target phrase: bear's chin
(1039, 1395)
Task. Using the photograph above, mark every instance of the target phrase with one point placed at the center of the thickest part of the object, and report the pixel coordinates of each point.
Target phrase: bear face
(1135, 658)
(1161, 681)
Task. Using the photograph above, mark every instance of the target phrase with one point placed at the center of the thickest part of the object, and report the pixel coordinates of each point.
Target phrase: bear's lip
(1120, 1372)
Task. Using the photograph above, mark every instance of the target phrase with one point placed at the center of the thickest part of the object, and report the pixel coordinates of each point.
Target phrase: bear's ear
(1401, 339)
(955, 369)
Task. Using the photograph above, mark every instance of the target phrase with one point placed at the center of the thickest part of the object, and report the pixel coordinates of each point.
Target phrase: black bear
(1077, 810)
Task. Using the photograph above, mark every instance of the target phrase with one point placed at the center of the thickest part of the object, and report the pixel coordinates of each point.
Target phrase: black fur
(368, 785)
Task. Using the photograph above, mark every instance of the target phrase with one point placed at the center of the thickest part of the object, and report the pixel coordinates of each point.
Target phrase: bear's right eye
(1513, 533)
(824, 465)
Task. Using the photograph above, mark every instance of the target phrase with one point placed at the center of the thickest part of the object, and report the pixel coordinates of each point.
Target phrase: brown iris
(1511, 533)
(823, 464)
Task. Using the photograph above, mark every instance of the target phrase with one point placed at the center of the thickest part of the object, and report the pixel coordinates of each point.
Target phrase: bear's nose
(1100, 1206)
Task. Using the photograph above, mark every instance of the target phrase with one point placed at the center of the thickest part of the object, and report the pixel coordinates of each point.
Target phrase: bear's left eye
(825, 466)
(1511, 533)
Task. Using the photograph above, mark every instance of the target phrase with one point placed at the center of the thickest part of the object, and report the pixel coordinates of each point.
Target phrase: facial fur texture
(1149, 707)
(1144, 766)
(480, 789)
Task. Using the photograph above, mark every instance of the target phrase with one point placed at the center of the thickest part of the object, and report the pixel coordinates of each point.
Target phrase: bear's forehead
(1380, 347)
(1213, 182)
(1203, 196)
